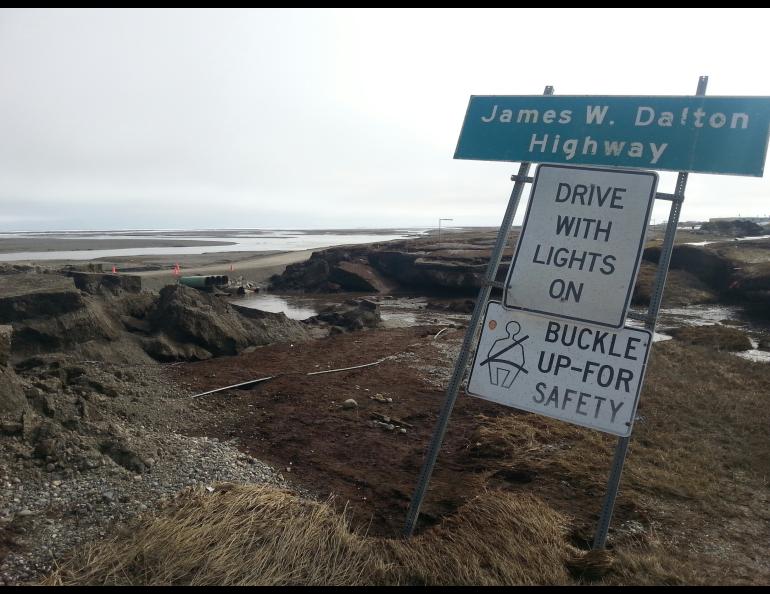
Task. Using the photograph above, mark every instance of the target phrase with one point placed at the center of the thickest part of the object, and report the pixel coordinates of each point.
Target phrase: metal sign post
(462, 360)
(514, 336)
(600, 540)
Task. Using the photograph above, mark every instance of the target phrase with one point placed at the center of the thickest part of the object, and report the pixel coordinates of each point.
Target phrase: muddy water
(296, 308)
(403, 312)
(412, 311)
(702, 243)
(709, 315)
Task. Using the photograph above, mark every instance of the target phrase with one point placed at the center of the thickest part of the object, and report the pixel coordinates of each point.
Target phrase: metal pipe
(462, 359)
(621, 449)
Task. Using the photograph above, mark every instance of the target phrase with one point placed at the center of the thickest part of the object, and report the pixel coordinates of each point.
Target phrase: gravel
(50, 505)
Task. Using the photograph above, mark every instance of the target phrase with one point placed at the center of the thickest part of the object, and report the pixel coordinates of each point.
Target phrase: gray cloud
(308, 118)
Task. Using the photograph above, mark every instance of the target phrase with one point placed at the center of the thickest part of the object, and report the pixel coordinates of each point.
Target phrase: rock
(6, 332)
(10, 427)
(269, 327)
(133, 324)
(368, 304)
(108, 496)
(30, 295)
(25, 513)
(45, 403)
(351, 315)
(360, 276)
(48, 448)
(185, 316)
(50, 314)
(303, 276)
(122, 453)
(13, 403)
(764, 344)
(349, 404)
(456, 267)
(97, 386)
(162, 348)
(426, 270)
(33, 393)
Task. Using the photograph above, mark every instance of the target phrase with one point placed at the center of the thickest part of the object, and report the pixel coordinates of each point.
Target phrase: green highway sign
(726, 135)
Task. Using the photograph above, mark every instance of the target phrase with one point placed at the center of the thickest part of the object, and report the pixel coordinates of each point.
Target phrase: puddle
(411, 311)
(710, 315)
(697, 315)
(403, 312)
(755, 354)
(754, 238)
(296, 308)
(400, 312)
(656, 337)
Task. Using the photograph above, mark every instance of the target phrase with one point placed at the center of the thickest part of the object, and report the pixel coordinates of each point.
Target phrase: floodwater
(401, 312)
(241, 241)
(754, 354)
(413, 311)
(296, 308)
(701, 243)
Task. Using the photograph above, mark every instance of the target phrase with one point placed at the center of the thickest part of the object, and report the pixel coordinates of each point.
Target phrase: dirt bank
(456, 264)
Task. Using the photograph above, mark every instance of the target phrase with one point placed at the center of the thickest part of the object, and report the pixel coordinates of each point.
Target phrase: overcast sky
(119, 119)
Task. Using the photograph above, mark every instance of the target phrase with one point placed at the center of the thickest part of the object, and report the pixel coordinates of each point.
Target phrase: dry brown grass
(247, 535)
(720, 338)
(494, 539)
(692, 507)
(237, 535)
(694, 488)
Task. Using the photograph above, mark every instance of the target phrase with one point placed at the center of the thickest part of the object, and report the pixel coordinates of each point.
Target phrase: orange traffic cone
(114, 270)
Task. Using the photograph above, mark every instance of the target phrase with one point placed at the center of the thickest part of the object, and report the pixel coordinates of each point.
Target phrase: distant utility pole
(439, 227)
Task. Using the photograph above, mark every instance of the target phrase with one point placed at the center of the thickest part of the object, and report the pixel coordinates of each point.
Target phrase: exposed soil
(692, 505)
(298, 423)
(692, 487)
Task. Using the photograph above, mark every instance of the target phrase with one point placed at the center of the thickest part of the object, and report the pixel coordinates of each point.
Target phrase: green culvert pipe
(203, 282)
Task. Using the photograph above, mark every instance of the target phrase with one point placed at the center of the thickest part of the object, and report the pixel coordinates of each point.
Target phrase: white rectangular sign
(581, 374)
(581, 243)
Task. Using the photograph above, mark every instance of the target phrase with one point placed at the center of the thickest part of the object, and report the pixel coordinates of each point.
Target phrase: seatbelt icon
(506, 357)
